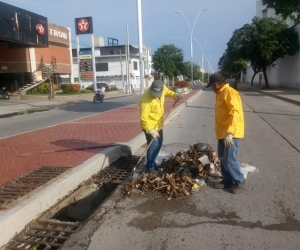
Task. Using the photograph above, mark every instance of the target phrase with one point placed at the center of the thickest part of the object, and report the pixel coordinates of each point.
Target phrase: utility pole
(139, 14)
(93, 61)
(121, 61)
(78, 61)
(128, 65)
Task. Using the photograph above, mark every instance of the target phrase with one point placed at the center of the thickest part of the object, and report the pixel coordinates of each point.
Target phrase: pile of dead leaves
(179, 173)
(168, 185)
(191, 159)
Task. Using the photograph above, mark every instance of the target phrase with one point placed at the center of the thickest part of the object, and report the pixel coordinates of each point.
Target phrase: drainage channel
(13, 190)
(56, 225)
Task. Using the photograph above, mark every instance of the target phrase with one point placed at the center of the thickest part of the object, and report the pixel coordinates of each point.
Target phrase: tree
(187, 71)
(168, 60)
(263, 42)
(285, 8)
(231, 65)
(240, 47)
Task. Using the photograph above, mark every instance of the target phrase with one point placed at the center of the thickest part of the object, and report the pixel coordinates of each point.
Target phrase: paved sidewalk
(285, 94)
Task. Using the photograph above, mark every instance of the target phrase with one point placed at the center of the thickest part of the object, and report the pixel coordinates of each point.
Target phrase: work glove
(154, 134)
(228, 140)
(178, 96)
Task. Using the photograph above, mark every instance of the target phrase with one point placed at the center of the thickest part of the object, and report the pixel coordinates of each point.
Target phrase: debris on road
(181, 174)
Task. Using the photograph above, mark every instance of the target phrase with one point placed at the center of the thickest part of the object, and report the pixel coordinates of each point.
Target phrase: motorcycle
(99, 96)
(5, 94)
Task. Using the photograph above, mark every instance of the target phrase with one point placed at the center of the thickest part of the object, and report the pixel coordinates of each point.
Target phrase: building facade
(32, 50)
(286, 71)
(113, 66)
(18, 62)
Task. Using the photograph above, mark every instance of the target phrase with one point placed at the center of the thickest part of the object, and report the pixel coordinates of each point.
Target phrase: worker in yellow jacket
(229, 127)
(151, 107)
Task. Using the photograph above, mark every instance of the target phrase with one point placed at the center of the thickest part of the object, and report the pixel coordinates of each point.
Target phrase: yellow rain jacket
(229, 116)
(152, 110)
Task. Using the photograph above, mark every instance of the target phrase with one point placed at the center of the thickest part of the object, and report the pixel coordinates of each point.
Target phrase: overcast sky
(160, 24)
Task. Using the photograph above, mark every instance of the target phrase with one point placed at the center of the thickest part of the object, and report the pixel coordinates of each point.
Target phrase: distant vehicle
(5, 94)
(232, 82)
(99, 84)
(99, 96)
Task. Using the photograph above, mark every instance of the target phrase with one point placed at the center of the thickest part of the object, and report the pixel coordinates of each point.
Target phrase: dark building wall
(17, 60)
(13, 60)
(22, 27)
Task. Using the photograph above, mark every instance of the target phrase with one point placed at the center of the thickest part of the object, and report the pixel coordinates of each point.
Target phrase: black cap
(156, 88)
(216, 77)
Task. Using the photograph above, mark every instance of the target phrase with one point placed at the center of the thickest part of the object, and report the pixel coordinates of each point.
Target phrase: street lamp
(208, 65)
(139, 15)
(191, 37)
(211, 66)
(202, 53)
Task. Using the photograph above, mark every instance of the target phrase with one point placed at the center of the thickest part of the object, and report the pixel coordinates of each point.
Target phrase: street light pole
(191, 37)
(208, 66)
(139, 15)
(211, 66)
(202, 53)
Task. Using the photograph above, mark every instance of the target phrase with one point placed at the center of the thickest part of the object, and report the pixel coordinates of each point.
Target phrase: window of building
(135, 65)
(101, 67)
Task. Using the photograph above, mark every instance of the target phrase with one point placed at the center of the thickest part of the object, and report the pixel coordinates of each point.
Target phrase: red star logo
(83, 25)
(40, 29)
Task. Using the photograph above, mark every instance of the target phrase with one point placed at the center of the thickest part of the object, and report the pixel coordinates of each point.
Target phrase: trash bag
(202, 147)
(194, 171)
(191, 172)
(184, 172)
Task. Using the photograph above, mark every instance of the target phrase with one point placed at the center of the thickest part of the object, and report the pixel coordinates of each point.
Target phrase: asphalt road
(265, 216)
(28, 122)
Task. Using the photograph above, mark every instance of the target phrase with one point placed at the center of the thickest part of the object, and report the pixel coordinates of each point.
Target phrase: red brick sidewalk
(120, 125)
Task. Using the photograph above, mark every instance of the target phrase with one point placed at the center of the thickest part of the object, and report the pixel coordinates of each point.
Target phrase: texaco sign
(84, 25)
(40, 29)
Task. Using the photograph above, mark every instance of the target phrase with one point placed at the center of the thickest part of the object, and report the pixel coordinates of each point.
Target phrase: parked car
(91, 87)
(232, 82)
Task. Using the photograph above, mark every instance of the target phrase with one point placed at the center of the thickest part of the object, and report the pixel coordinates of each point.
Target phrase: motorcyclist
(101, 91)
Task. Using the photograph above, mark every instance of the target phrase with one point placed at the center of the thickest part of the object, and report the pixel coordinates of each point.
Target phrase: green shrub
(70, 88)
(86, 91)
(41, 89)
(173, 88)
(112, 89)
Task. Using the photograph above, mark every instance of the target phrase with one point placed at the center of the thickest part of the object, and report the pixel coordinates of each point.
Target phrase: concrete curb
(46, 196)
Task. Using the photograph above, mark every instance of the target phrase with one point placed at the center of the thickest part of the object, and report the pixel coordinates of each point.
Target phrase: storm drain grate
(17, 188)
(42, 235)
(52, 234)
(117, 171)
